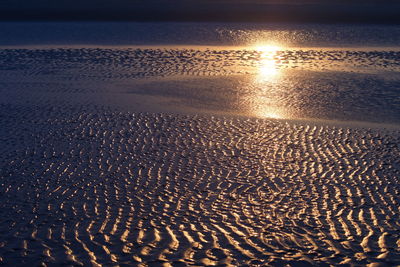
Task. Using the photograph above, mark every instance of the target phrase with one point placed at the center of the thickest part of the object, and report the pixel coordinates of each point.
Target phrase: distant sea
(192, 33)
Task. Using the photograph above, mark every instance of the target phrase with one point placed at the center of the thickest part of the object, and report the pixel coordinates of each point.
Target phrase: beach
(179, 154)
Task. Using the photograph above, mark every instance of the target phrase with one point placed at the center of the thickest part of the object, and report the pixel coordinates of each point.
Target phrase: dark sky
(330, 11)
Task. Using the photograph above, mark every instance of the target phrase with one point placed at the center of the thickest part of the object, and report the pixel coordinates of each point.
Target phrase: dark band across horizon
(307, 11)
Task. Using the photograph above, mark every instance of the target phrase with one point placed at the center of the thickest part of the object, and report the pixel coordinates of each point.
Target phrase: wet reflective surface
(86, 186)
(353, 84)
(262, 154)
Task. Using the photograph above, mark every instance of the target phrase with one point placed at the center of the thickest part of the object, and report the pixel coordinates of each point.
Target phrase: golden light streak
(266, 77)
(267, 69)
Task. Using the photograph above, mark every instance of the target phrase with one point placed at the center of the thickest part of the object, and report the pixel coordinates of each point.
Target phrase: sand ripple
(102, 63)
(80, 187)
(335, 84)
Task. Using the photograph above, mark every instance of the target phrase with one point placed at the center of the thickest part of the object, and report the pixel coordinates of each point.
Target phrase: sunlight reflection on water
(265, 81)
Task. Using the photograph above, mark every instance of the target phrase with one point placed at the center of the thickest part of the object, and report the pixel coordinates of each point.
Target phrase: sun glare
(267, 70)
(267, 66)
(264, 110)
(267, 48)
(265, 79)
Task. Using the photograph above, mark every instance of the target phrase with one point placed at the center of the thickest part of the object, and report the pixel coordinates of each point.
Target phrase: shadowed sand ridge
(88, 186)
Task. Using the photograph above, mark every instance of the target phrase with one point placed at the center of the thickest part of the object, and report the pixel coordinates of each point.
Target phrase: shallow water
(345, 84)
(257, 154)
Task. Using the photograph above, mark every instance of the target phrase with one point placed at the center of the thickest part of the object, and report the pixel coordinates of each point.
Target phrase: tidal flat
(192, 154)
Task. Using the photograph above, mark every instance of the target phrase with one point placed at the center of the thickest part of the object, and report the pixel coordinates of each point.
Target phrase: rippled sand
(354, 84)
(104, 163)
(84, 187)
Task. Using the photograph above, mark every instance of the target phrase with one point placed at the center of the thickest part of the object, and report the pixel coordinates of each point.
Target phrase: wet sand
(169, 157)
(85, 187)
(339, 84)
